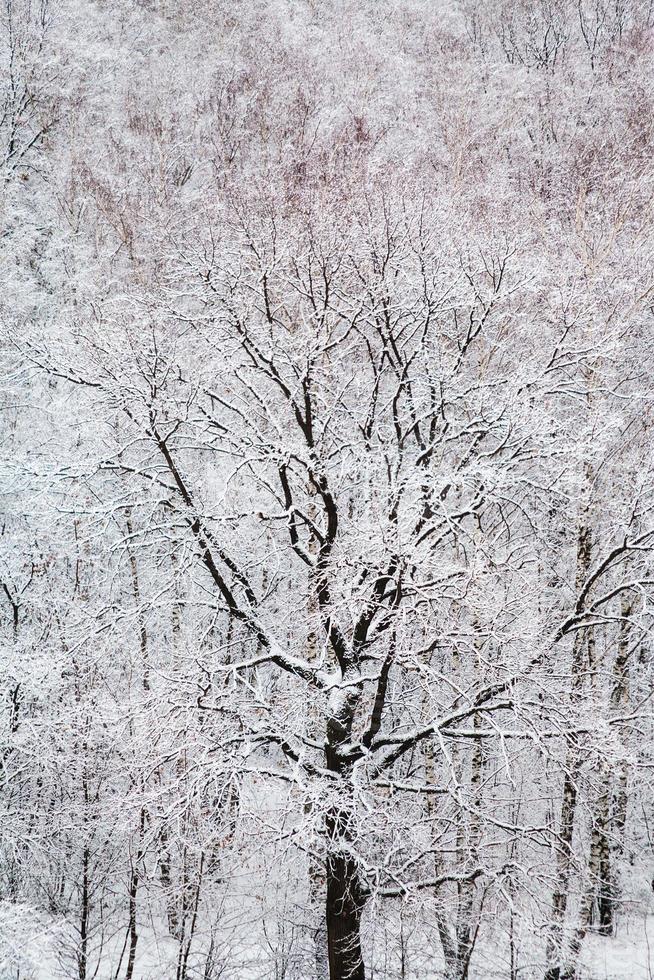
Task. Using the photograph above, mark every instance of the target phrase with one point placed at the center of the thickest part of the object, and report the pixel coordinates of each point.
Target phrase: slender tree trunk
(615, 799)
(167, 874)
(182, 966)
(563, 870)
(133, 932)
(570, 970)
(555, 948)
(133, 890)
(447, 936)
(601, 864)
(143, 633)
(458, 943)
(82, 958)
(465, 931)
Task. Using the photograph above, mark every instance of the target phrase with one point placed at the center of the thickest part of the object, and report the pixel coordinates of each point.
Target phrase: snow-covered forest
(327, 475)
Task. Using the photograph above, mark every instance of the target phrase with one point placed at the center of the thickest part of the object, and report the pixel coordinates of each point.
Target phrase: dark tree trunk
(346, 895)
(564, 862)
(82, 958)
(581, 654)
(345, 903)
(614, 805)
(133, 892)
(133, 931)
(606, 890)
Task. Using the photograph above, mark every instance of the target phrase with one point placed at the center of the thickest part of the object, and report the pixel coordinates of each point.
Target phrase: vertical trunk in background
(133, 891)
(606, 895)
(556, 945)
(132, 927)
(165, 876)
(609, 818)
(82, 957)
(14, 691)
(83, 562)
(465, 929)
(617, 817)
(14, 721)
(447, 937)
(468, 845)
(136, 588)
(186, 940)
(555, 942)
(598, 835)
(165, 855)
(458, 943)
(571, 970)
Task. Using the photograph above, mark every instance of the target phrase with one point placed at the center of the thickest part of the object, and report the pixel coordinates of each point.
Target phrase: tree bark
(82, 957)
(133, 891)
(345, 904)
(615, 800)
(346, 896)
(555, 947)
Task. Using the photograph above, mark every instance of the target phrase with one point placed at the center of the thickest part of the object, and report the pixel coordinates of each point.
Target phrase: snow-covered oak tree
(326, 564)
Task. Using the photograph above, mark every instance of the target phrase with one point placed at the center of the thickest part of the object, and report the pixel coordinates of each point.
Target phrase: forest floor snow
(28, 943)
(627, 956)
